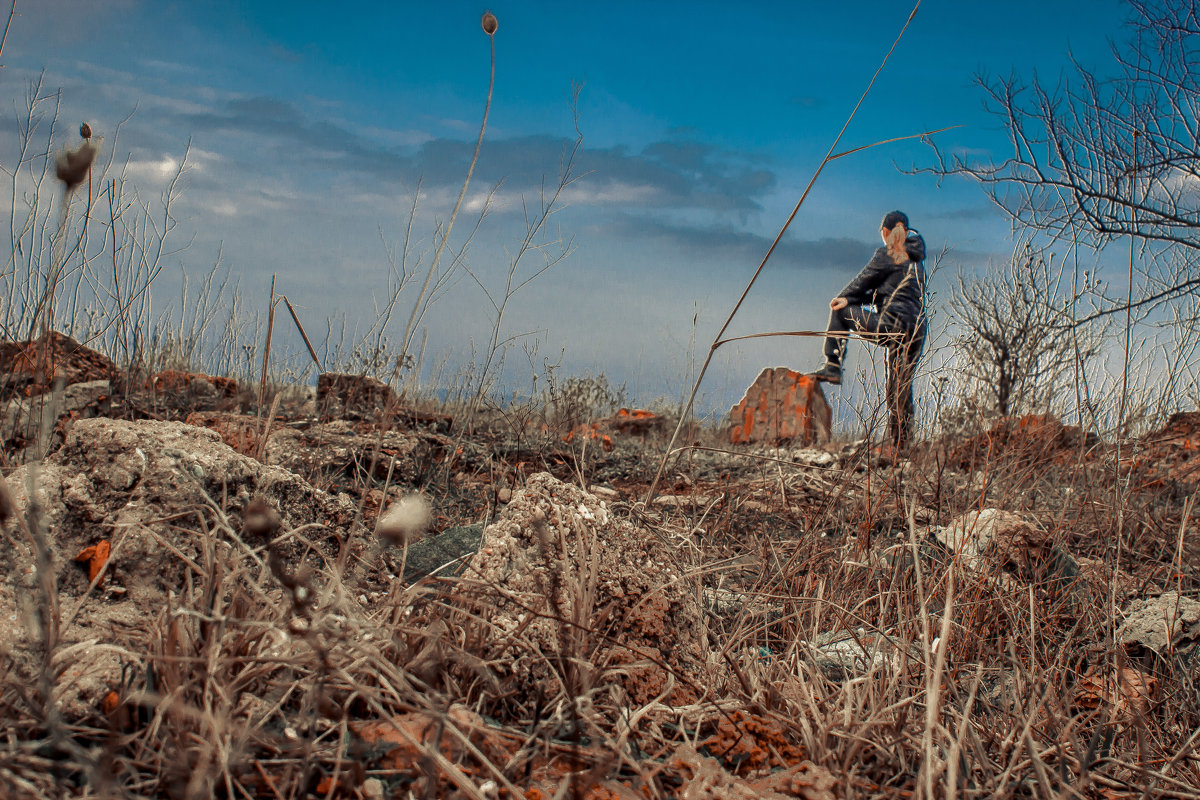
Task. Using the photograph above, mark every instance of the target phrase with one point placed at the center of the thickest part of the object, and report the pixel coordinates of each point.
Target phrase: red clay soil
(745, 743)
(1172, 453)
(35, 366)
(239, 431)
(1033, 438)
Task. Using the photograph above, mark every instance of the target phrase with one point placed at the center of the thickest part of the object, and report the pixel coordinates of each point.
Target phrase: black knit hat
(893, 217)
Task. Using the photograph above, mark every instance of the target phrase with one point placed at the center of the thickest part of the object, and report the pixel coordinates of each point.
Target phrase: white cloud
(616, 193)
(154, 170)
(224, 208)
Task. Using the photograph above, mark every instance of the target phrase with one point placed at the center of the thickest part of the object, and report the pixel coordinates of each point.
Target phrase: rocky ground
(214, 593)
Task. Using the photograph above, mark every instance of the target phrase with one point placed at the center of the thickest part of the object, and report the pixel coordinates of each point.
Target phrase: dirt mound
(1031, 439)
(578, 597)
(1173, 453)
(150, 488)
(336, 455)
(34, 367)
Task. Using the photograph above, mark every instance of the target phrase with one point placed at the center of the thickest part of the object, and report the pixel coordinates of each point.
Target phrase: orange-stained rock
(32, 367)
(628, 422)
(592, 433)
(781, 406)
(746, 743)
(1030, 439)
(635, 421)
(402, 742)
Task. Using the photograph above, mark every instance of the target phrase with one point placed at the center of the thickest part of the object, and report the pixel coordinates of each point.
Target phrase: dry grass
(263, 673)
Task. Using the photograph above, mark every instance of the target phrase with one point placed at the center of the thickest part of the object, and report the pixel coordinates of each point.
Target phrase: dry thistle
(489, 23)
(260, 522)
(405, 520)
(85, 130)
(71, 166)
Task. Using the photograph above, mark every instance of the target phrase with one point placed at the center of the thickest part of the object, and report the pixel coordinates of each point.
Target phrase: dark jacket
(896, 290)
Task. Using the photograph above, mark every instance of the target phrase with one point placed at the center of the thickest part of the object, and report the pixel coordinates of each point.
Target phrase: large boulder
(570, 588)
(781, 407)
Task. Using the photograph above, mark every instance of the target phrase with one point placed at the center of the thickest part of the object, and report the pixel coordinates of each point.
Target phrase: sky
(311, 131)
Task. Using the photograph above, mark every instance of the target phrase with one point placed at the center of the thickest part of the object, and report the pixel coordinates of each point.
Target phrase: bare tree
(1098, 159)
(1014, 343)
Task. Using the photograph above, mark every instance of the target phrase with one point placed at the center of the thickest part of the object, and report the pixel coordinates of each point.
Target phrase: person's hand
(838, 303)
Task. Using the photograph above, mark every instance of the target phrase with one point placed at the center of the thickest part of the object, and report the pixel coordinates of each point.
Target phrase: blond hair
(895, 243)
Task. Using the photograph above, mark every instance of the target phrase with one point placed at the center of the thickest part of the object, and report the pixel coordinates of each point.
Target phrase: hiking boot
(830, 373)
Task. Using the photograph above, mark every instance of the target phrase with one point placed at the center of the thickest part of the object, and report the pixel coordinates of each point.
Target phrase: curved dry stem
(830, 156)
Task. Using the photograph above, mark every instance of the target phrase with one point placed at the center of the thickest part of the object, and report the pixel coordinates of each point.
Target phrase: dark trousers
(903, 349)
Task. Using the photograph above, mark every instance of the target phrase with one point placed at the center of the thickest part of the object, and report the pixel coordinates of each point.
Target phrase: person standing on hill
(893, 282)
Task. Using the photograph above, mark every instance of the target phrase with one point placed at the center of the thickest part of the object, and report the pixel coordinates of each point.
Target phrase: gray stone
(995, 539)
(844, 654)
(1167, 624)
(556, 561)
(443, 554)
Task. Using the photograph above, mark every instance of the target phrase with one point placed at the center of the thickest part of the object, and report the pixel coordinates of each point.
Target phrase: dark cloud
(685, 174)
(676, 174)
(729, 244)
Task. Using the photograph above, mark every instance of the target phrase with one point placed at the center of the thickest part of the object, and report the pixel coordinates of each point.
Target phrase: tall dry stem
(830, 156)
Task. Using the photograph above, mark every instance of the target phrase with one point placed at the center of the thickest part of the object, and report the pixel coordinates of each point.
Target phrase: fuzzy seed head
(489, 23)
(260, 522)
(405, 520)
(71, 166)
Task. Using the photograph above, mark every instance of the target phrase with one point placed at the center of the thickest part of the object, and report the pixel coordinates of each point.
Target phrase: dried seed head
(8, 509)
(405, 520)
(85, 130)
(260, 522)
(71, 166)
(489, 23)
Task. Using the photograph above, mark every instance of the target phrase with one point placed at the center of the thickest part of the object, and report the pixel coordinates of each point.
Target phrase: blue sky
(311, 128)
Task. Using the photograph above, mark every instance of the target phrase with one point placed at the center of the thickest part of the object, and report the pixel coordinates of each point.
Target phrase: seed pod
(489, 23)
(85, 130)
(260, 522)
(71, 166)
